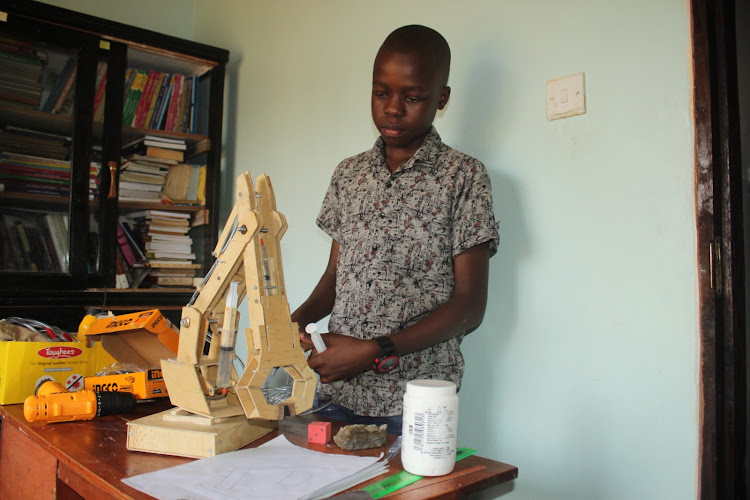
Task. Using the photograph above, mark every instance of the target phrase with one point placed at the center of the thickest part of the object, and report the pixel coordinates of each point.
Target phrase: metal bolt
(185, 322)
(242, 229)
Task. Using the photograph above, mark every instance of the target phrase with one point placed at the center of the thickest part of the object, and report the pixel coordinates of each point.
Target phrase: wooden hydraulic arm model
(206, 387)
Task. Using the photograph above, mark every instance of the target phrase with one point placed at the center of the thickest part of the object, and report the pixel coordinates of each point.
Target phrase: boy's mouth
(391, 132)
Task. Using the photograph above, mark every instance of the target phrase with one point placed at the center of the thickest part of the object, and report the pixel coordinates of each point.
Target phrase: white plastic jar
(430, 427)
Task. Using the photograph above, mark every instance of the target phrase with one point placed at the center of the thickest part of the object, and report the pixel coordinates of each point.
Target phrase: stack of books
(21, 67)
(34, 175)
(160, 148)
(32, 142)
(167, 246)
(145, 166)
(160, 101)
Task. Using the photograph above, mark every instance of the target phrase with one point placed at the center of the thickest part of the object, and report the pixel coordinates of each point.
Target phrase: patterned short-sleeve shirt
(398, 235)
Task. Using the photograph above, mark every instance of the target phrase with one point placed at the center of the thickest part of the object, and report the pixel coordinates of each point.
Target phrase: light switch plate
(566, 97)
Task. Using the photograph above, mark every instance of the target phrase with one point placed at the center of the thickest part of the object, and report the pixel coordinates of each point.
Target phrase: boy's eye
(379, 93)
(413, 99)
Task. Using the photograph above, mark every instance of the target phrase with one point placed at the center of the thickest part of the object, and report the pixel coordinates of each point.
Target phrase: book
(150, 160)
(101, 90)
(143, 102)
(157, 120)
(165, 246)
(173, 280)
(139, 186)
(22, 261)
(142, 177)
(185, 92)
(159, 143)
(130, 235)
(121, 277)
(194, 107)
(52, 258)
(62, 77)
(186, 184)
(161, 254)
(25, 245)
(133, 96)
(174, 103)
(7, 250)
(122, 241)
(148, 214)
(171, 264)
(66, 89)
(169, 154)
(158, 83)
(171, 238)
(59, 234)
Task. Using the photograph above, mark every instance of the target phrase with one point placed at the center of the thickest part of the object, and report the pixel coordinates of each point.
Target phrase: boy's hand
(343, 358)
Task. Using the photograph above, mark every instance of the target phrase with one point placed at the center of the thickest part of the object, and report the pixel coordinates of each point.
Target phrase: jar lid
(430, 388)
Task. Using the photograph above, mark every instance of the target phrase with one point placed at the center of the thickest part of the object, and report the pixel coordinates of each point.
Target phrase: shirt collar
(426, 154)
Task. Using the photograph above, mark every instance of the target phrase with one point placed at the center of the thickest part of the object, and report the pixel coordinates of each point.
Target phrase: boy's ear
(444, 96)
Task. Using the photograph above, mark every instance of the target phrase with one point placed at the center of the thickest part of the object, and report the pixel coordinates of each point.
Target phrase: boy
(413, 230)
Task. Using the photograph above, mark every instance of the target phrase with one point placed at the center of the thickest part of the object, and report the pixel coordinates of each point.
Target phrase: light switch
(566, 97)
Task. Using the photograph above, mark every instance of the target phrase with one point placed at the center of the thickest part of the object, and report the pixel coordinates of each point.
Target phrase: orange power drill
(54, 403)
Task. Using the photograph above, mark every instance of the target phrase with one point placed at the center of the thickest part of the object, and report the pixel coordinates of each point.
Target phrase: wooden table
(88, 459)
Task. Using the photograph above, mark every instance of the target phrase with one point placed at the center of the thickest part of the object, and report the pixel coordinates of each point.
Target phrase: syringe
(317, 339)
(228, 338)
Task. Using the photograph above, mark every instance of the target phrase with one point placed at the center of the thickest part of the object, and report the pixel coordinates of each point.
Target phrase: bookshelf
(80, 97)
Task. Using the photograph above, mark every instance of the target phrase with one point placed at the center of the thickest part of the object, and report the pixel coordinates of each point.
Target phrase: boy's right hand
(344, 357)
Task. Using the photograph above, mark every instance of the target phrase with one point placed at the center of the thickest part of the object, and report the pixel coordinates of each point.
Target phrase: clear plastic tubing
(430, 427)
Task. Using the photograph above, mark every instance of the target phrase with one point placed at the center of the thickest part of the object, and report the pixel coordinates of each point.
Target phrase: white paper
(276, 470)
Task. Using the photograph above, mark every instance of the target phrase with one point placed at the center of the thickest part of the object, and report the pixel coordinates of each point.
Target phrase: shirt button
(388, 184)
(382, 215)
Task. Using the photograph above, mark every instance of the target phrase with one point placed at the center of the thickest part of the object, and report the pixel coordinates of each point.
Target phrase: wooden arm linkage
(272, 339)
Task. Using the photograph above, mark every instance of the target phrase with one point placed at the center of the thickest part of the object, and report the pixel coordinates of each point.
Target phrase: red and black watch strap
(388, 359)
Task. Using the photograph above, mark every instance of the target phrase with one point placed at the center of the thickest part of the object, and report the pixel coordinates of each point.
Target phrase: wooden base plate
(177, 432)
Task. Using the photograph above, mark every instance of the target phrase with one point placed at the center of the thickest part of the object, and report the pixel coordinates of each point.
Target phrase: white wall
(584, 373)
(171, 17)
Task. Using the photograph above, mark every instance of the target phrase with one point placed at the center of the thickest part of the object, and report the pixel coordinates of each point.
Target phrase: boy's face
(406, 94)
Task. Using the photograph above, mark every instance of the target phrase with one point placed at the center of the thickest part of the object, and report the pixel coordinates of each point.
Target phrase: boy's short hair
(415, 37)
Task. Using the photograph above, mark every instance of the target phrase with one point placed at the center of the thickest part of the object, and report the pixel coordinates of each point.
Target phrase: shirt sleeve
(474, 218)
(329, 218)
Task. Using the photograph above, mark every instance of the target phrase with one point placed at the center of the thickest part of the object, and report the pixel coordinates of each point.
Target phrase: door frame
(720, 253)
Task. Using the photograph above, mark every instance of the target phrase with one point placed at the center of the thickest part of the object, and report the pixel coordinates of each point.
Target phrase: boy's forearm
(316, 307)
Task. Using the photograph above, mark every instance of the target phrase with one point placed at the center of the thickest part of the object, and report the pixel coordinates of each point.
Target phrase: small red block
(319, 432)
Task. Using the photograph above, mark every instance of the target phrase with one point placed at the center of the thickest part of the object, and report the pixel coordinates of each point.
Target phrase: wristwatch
(388, 358)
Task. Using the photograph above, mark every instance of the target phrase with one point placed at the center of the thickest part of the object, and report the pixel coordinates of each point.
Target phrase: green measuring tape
(403, 478)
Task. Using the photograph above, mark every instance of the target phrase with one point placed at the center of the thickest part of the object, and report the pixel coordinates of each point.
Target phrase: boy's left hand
(343, 358)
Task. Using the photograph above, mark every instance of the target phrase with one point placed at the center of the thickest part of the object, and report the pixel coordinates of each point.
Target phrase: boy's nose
(394, 106)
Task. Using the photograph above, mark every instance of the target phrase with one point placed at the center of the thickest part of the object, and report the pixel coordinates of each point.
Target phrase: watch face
(387, 364)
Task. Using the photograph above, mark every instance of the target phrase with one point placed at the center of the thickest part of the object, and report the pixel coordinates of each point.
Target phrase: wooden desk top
(92, 456)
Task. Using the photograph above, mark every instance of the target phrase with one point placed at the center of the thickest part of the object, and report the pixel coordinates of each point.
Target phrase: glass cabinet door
(45, 100)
